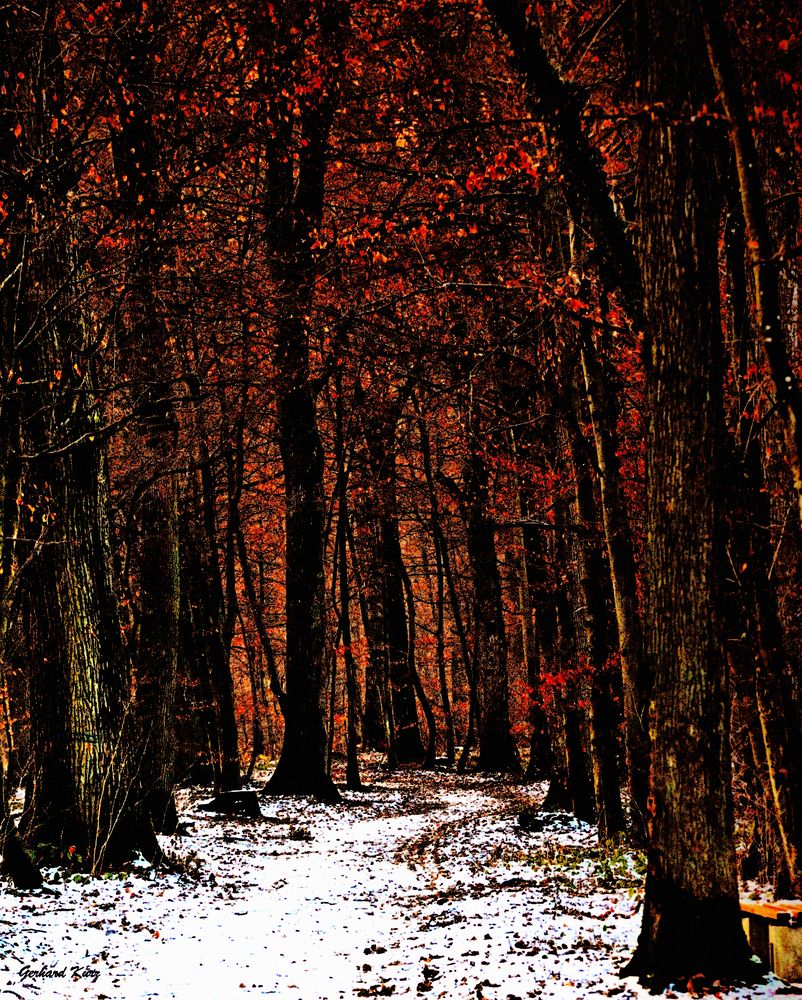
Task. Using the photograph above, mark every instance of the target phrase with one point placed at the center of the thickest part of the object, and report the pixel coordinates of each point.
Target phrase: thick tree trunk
(301, 769)
(292, 212)
(83, 758)
(691, 923)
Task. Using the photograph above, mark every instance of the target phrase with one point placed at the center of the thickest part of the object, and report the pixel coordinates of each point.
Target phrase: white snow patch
(422, 885)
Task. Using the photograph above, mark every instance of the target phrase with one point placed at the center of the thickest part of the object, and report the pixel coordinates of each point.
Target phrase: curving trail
(422, 885)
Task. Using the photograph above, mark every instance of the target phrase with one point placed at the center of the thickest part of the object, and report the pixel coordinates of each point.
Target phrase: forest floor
(422, 885)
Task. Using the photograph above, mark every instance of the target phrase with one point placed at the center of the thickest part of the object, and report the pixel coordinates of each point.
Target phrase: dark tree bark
(540, 641)
(302, 765)
(83, 764)
(426, 705)
(497, 750)
(16, 862)
(255, 603)
(771, 694)
(445, 691)
(408, 741)
(691, 923)
(578, 766)
(256, 680)
(379, 422)
(198, 757)
(82, 731)
(207, 600)
(595, 642)
(598, 380)
(441, 543)
(377, 729)
(765, 261)
(154, 542)
(352, 778)
(292, 212)
(558, 103)
(157, 635)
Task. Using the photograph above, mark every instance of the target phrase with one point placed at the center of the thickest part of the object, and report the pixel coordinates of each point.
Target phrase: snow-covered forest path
(422, 885)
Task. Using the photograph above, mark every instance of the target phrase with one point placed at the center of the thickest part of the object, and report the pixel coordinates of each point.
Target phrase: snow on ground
(422, 885)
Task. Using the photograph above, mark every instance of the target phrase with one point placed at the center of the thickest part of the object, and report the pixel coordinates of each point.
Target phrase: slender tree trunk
(473, 713)
(200, 548)
(618, 537)
(531, 664)
(12, 564)
(256, 683)
(257, 611)
(332, 679)
(557, 103)
(772, 682)
(301, 768)
(426, 705)
(377, 733)
(441, 544)
(578, 766)
(198, 754)
(228, 766)
(597, 647)
(766, 263)
(380, 437)
(445, 694)
(408, 741)
(352, 779)
(542, 750)
(211, 598)
(157, 637)
(497, 750)
(16, 863)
